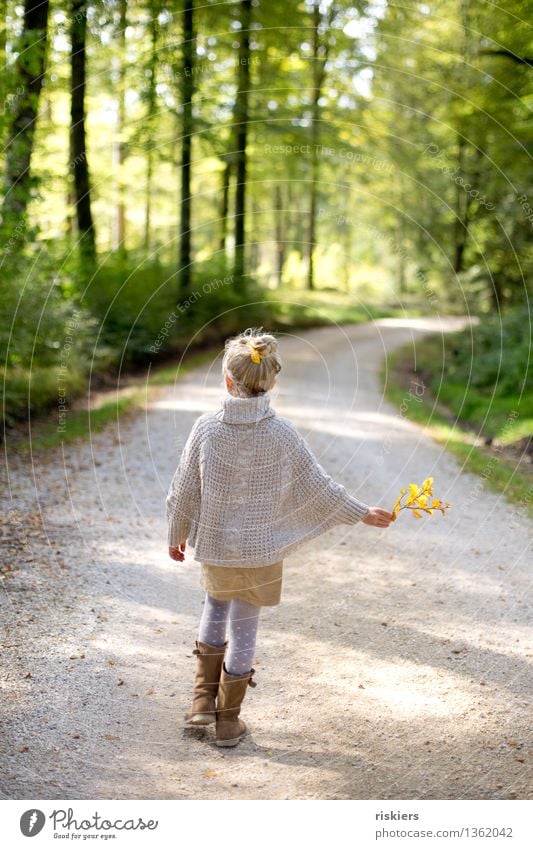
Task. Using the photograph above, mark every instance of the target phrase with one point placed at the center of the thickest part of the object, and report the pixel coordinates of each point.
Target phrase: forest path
(395, 667)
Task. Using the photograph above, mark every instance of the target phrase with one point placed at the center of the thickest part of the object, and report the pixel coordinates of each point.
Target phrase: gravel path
(396, 666)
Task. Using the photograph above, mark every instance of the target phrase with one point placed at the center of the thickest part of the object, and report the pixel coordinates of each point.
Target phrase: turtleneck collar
(236, 410)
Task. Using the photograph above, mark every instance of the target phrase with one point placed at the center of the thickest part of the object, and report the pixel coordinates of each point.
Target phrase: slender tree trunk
(224, 205)
(148, 199)
(70, 218)
(241, 132)
(3, 70)
(186, 147)
(318, 81)
(28, 77)
(279, 225)
(120, 147)
(79, 162)
(154, 38)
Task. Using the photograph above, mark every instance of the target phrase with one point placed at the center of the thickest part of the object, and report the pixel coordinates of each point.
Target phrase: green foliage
(46, 338)
(484, 374)
(422, 184)
(499, 473)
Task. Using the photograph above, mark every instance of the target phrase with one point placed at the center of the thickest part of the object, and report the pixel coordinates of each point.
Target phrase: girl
(247, 492)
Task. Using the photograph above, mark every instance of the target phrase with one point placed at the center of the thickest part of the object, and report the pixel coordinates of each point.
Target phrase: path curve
(397, 665)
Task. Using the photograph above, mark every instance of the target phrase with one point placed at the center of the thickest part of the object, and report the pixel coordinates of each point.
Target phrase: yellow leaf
(209, 773)
(427, 484)
(422, 500)
(436, 502)
(417, 514)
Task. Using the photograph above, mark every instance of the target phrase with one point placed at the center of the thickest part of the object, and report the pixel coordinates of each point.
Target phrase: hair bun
(264, 343)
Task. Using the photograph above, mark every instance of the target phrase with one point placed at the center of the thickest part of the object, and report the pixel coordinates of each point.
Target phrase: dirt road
(397, 665)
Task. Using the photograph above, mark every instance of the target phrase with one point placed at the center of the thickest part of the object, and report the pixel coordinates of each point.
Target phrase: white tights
(243, 622)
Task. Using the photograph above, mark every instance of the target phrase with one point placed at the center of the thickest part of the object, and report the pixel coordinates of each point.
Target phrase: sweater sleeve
(321, 495)
(183, 499)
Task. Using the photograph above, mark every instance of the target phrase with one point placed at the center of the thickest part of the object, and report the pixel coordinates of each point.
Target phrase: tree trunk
(120, 147)
(188, 55)
(224, 205)
(28, 78)
(241, 131)
(152, 98)
(79, 164)
(280, 234)
(3, 70)
(319, 67)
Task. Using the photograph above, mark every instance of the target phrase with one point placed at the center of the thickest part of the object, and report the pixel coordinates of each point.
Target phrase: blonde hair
(252, 361)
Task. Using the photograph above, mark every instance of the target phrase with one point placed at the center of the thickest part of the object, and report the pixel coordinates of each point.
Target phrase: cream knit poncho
(248, 490)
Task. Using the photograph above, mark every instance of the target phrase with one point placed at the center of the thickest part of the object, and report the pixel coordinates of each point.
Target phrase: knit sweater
(248, 490)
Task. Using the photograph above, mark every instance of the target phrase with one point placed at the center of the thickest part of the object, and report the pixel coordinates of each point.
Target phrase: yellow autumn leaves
(419, 499)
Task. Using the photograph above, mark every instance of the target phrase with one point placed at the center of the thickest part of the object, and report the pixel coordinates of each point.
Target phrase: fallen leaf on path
(23, 749)
(209, 773)
(110, 737)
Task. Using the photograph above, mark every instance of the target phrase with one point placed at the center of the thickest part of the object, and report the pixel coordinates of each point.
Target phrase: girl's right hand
(378, 518)
(177, 553)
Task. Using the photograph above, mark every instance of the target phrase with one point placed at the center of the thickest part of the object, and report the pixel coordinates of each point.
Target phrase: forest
(172, 170)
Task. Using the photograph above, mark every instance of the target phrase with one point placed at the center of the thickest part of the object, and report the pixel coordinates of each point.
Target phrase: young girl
(247, 492)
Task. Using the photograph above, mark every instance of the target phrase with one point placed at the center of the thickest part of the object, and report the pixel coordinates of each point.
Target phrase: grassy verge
(500, 473)
(80, 423)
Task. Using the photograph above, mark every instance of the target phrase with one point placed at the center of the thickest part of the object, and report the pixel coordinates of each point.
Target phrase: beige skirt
(260, 585)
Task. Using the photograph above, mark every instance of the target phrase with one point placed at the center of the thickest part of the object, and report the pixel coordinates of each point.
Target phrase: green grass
(499, 472)
(79, 424)
(495, 409)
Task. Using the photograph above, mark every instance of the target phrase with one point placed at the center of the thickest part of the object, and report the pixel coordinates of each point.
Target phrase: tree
(153, 9)
(29, 73)
(120, 145)
(321, 27)
(187, 130)
(241, 119)
(79, 162)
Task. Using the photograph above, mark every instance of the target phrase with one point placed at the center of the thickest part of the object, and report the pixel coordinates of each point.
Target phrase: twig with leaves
(418, 500)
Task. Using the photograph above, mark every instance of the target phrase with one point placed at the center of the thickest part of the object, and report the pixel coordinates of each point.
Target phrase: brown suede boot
(209, 661)
(231, 692)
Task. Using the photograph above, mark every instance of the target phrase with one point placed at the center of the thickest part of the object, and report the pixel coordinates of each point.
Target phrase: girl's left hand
(177, 553)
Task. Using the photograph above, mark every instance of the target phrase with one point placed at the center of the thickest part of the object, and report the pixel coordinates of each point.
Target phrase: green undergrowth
(501, 473)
